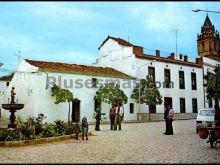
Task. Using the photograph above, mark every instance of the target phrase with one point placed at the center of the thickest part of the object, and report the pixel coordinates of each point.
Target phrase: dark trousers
(117, 122)
(166, 124)
(97, 125)
(112, 120)
(170, 126)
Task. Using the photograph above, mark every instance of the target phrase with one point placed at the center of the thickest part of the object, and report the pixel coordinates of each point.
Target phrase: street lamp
(139, 90)
(198, 10)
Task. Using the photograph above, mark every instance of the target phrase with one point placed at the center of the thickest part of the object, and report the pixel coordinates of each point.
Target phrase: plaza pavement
(135, 143)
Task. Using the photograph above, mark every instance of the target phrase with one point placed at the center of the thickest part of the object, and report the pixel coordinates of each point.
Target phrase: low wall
(160, 116)
(38, 141)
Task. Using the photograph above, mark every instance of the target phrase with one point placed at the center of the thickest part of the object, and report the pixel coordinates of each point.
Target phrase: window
(181, 80)
(167, 78)
(131, 107)
(182, 105)
(7, 83)
(193, 81)
(94, 82)
(151, 72)
(194, 106)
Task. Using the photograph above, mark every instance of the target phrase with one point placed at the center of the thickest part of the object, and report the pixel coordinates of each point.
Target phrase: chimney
(185, 58)
(199, 61)
(172, 56)
(157, 53)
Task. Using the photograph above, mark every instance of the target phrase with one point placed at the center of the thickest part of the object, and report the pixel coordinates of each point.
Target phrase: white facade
(34, 87)
(31, 91)
(122, 58)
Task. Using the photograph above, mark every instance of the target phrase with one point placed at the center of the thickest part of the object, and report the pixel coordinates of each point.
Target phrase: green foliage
(213, 84)
(68, 127)
(62, 95)
(26, 129)
(111, 93)
(34, 127)
(48, 130)
(38, 123)
(149, 94)
(59, 127)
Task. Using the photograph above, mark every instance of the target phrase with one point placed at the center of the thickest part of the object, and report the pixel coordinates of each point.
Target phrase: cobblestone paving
(135, 143)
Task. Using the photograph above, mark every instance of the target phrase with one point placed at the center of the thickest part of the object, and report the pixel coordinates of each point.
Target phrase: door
(75, 110)
(168, 102)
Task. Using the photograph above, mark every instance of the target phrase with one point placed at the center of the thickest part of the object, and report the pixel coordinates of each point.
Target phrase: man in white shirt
(118, 116)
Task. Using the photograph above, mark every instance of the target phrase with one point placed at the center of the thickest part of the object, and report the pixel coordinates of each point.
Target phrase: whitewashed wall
(31, 91)
(131, 64)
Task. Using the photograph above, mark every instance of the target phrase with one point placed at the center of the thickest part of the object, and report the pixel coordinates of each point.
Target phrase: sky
(71, 32)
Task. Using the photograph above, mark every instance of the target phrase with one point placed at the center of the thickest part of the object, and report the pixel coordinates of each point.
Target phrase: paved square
(135, 143)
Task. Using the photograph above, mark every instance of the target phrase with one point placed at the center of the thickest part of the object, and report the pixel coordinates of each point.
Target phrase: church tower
(208, 42)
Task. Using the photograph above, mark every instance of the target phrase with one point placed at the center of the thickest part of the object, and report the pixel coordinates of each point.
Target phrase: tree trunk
(69, 113)
(149, 117)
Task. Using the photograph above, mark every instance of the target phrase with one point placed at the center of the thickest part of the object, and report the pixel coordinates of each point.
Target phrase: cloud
(62, 11)
(164, 17)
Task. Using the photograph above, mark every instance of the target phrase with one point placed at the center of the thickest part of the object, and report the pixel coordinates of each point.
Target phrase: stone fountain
(12, 107)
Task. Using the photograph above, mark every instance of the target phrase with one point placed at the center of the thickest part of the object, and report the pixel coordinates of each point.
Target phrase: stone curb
(38, 141)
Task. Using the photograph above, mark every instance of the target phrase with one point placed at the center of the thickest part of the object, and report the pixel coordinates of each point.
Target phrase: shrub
(60, 127)
(48, 130)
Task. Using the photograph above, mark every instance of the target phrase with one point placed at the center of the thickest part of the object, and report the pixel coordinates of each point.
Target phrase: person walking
(112, 116)
(98, 117)
(170, 121)
(118, 115)
(85, 128)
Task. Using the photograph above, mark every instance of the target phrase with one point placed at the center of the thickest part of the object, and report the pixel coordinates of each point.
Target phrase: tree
(149, 94)
(62, 95)
(111, 93)
(213, 85)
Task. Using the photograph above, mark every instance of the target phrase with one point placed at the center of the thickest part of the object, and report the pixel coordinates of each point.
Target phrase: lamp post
(139, 90)
(198, 10)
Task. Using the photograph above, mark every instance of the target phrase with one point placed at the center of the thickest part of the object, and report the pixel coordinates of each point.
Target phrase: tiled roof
(7, 78)
(77, 69)
(139, 53)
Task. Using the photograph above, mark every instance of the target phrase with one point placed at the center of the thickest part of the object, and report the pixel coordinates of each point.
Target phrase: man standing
(112, 116)
(170, 121)
(98, 117)
(118, 114)
(166, 119)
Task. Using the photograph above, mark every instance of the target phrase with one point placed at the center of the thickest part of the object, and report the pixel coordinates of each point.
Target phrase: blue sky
(72, 31)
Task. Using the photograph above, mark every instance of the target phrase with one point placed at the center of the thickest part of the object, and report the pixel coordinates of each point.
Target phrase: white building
(185, 98)
(33, 81)
(119, 60)
(180, 81)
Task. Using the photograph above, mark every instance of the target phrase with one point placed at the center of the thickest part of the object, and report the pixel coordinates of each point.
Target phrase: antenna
(128, 38)
(176, 30)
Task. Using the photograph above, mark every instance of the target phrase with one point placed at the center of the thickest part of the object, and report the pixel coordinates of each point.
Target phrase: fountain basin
(13, 106)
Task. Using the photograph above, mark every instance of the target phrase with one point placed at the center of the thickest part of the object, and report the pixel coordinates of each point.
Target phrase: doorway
(76, 110)
(168, 102)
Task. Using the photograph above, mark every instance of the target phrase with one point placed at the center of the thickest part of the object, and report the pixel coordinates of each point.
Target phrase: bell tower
(208, 42)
